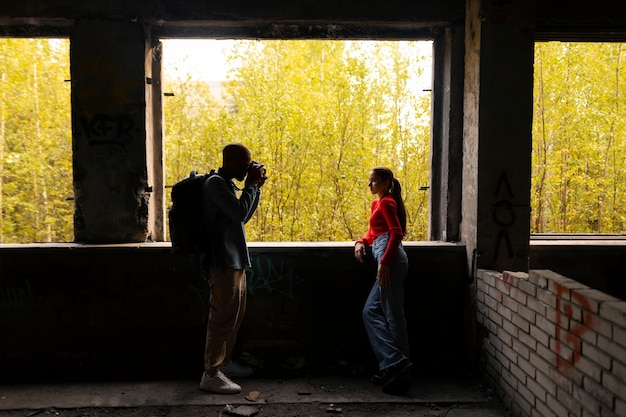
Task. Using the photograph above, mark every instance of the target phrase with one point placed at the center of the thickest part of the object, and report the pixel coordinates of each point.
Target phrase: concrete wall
(555, 16)
(92, 311)
(137, 311)
(109, 131)
(598, 263)
(227, 10)
(551, 345)
(497, 137)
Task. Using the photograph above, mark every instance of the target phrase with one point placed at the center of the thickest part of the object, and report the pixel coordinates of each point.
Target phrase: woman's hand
(359, 251)
(383, 276)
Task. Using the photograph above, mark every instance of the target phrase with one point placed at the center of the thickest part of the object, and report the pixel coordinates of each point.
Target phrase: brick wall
(552, 346)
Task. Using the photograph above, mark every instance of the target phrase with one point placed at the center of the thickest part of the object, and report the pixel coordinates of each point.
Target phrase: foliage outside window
(319, 115)
(35, 141)
(579, 139)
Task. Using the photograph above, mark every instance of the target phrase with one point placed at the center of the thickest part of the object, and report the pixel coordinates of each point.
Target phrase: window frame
(567, 35)
(444, 198)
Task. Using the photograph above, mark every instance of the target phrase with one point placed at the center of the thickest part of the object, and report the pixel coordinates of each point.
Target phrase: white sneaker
(234, 369)
(219, 384)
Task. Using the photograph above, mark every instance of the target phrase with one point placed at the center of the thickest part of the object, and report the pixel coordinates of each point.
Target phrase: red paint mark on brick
(572, 337)
(508, 280)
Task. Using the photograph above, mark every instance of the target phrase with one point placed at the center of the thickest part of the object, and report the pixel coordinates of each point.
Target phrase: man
(226, 214)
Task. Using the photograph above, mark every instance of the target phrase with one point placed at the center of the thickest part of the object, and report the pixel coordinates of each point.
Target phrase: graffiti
(264, 275)
(503, 215)
(270, 278)
(103, 129)
(571, 339)
(509, 282)
(18, 297)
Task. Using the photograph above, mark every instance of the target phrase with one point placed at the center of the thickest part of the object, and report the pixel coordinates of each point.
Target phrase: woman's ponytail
(396, 192)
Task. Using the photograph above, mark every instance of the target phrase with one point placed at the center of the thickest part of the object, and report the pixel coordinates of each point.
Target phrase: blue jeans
(383, 313)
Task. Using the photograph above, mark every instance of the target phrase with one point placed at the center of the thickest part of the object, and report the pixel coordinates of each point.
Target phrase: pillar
(447, 135)
(497, 143)
(111, 65)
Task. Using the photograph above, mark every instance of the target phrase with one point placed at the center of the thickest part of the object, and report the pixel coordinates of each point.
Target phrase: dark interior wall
(244, 19)
(72, 311)
(578, 15)
(227, 10)
(77, 311)
(555, 19)
(550, 12)
(599, 264)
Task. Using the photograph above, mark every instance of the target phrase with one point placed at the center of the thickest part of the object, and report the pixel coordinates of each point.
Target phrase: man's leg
(227, 299)
(239, 293)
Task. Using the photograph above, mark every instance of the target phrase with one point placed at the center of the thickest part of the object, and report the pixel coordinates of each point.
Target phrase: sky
(205, 59)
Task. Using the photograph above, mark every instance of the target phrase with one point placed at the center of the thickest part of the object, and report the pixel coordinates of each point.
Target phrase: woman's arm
(389, 210)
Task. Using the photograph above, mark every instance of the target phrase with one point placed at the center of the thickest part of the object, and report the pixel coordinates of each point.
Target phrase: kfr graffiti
(102, 129)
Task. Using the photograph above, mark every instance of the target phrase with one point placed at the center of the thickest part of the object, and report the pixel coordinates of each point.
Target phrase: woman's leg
(383, 316)
(392, 303)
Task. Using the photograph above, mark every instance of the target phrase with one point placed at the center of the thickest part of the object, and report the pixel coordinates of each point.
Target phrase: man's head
(236, 159)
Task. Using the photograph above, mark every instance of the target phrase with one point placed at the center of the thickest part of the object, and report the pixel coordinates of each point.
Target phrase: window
(35, 141)
(579, 138)
(318, 114)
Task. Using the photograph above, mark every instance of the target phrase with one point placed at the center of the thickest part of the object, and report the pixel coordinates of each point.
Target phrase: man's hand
(256, 175)
(263, 177)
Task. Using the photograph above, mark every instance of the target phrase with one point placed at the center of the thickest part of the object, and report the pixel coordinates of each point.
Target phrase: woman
(383, 313)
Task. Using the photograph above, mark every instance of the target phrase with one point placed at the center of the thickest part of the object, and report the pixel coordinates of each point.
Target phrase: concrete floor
(297, 397)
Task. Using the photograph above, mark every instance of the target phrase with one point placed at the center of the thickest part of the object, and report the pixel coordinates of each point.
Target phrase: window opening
(35, 141)
(319, 114)
(579, 139)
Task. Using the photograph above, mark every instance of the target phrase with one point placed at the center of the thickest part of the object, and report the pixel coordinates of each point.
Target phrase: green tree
(578, 144)
(319, 115)
(192, 129)
(35, 141)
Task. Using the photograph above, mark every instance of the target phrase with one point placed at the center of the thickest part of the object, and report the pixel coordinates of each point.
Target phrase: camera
(255, 166)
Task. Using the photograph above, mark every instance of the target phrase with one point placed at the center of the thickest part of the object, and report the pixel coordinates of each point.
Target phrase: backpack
(188, 232)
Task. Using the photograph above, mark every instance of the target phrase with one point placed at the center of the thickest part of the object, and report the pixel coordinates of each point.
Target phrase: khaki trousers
(227, 307)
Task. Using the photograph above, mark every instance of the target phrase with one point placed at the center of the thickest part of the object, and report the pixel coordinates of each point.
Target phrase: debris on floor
(333, 410)
(240, 411)
(253, 396)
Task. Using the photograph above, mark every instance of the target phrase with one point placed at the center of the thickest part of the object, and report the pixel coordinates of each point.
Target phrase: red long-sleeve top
(384, 219)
